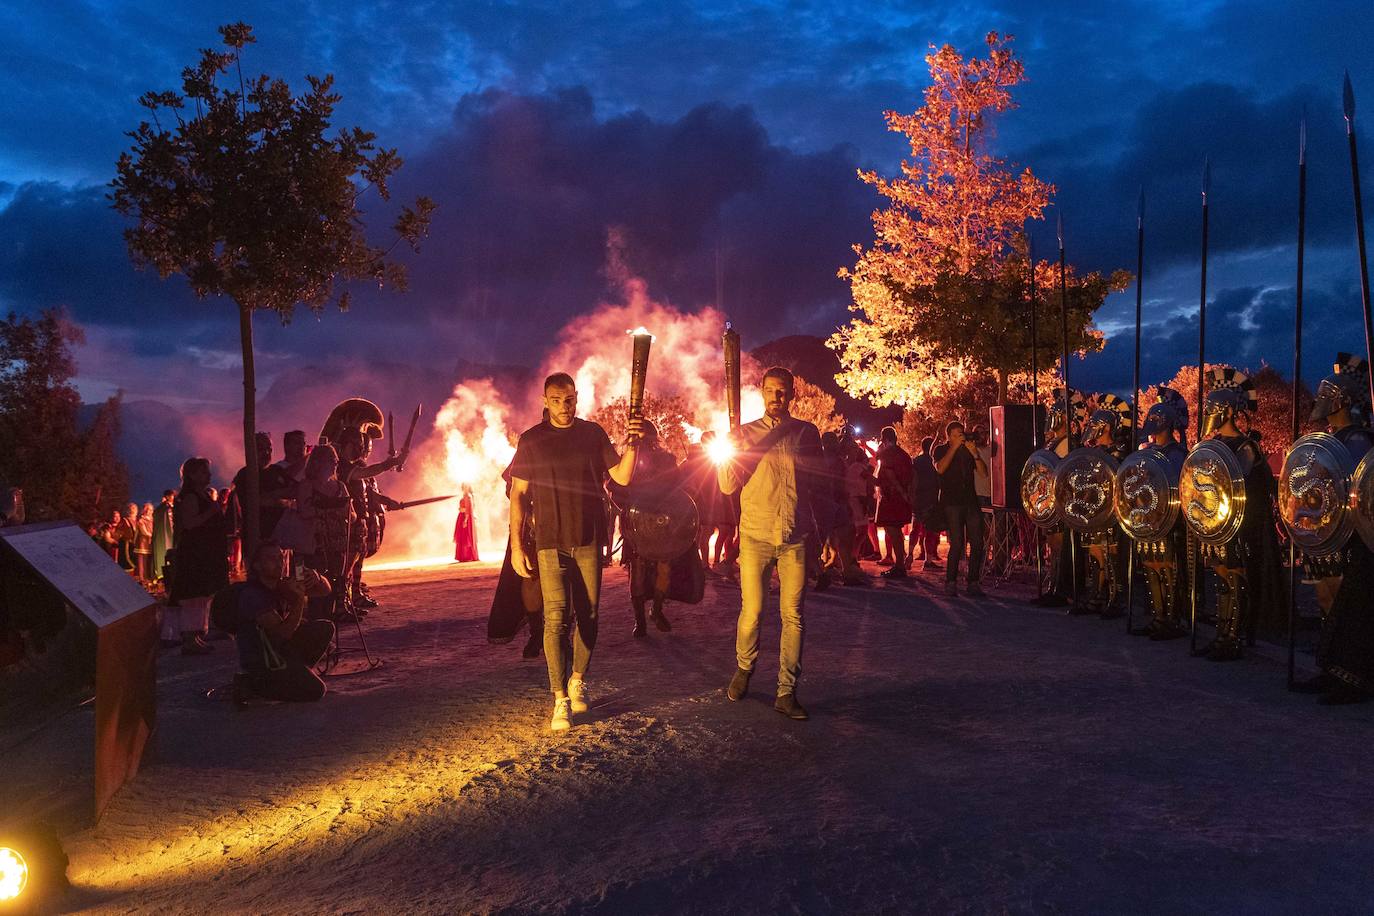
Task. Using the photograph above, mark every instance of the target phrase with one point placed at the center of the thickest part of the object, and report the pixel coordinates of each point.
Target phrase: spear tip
(1302, 138)
(1140, 208)
(1059, 229)
(1206, 177)
(1348, 101)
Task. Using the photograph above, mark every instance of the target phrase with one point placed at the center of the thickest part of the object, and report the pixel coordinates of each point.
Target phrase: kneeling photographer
(277, 648)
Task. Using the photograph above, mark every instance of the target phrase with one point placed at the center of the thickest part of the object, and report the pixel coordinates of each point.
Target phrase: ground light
(14, 874)
(33, 868)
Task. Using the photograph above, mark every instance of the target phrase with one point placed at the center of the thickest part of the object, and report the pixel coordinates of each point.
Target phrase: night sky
(697, 128)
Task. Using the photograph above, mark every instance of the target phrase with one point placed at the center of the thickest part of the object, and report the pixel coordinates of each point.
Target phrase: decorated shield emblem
(1362, 499)
(1037, 488)
(1146, 495)
(1084, 489)
(1314, 491)
(1211, 492)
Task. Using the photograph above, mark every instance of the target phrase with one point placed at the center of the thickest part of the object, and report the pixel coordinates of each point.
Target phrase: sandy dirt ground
(962, 757)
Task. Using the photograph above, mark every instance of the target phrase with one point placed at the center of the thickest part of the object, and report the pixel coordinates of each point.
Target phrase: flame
(720, 450)
(476, 430)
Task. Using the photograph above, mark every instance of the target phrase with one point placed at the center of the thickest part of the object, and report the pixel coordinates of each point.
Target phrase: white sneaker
(560, 722)
(577, 695)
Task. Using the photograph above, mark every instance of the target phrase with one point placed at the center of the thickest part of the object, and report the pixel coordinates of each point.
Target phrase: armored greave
(1162, 574)
(1232, 592)
(1103, 583)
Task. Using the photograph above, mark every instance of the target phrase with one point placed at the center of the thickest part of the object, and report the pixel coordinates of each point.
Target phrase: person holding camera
(278, 648)
(957, 461)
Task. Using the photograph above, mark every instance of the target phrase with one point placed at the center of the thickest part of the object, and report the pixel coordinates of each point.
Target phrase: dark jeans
(965, 522)
(582, 589)
(296, 682)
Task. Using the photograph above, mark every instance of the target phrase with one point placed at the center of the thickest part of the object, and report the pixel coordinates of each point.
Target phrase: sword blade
(410, 504)
(410, 434)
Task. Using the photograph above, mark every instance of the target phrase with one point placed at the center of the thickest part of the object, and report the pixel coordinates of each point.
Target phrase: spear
(1035, 354)
(1064, 322)
(1139, 274)
(1135, 391)
(1035, 403)
(1297, 381)
(1070, 540)
(1201, 355)
(1349, 100)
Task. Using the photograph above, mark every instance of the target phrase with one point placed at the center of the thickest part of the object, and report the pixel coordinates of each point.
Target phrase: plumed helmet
(1110, 417)
(1168, 413)
(1230, 394)
(353, 414)
(1346, 387)
(1055, 419)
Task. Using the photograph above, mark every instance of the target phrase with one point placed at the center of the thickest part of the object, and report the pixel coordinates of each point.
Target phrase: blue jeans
(964, 522)
(582, 588)
(756, 559)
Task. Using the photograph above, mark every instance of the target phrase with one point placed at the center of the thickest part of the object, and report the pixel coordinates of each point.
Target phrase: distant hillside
(811, 359)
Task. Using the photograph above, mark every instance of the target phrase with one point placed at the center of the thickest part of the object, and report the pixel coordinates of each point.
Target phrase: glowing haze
(477, 428)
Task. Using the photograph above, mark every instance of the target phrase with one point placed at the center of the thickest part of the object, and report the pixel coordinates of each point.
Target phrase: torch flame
(720, 450)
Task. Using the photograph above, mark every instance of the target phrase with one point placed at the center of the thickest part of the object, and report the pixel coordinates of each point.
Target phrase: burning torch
(730, 341)
(723, 448)
(639, 370)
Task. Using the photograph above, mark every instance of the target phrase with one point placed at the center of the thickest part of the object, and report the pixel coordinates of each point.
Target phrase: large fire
(477, 428)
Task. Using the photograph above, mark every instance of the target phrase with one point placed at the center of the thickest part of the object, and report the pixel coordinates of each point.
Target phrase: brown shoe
(787, 704)
(739, 685)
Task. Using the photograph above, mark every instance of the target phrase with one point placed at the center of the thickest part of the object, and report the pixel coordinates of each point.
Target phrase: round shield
(1146, 495)
(1084, 490)
(1211, 492)
(661, 524)
(1362, 499)
(1314, 492)
(1037, 488)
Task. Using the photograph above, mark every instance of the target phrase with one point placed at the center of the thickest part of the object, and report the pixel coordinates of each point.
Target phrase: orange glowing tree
(940, 297)
(238, 188)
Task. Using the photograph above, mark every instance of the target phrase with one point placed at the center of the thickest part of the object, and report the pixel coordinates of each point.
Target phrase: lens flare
(14, 874)
(720, 450)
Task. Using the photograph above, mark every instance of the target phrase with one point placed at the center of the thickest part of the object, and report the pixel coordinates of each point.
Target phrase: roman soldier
(351, 428)
(1249, 582)
(1345, 652)
(1062, 432)
(1109, 429)
(1151, 517)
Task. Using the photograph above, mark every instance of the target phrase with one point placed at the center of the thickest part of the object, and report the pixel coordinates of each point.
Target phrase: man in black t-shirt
(559, 473)
(956, 461)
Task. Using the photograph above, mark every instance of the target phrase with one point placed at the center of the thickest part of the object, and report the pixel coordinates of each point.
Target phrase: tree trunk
(248, 500)
(1001, 387)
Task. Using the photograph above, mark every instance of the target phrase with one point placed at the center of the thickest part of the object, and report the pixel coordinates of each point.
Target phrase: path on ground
(962, 757)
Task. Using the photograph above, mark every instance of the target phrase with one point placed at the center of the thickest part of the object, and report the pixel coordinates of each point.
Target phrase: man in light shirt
(777, 469)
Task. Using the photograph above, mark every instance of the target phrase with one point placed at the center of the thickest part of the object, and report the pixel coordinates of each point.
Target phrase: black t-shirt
(270, 479)
(566, 469)
(956, 483)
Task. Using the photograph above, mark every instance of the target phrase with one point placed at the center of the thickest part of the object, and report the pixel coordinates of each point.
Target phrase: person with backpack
(278, 648)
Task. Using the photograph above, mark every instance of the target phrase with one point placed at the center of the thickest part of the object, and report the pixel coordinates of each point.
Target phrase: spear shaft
(1035, 402)
(1135, 392)
(1297, 382)
(1139, 278)
(1035, 355)
(1359, 227)
(1201, 356)
(1070, 542)
(1064, 328)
